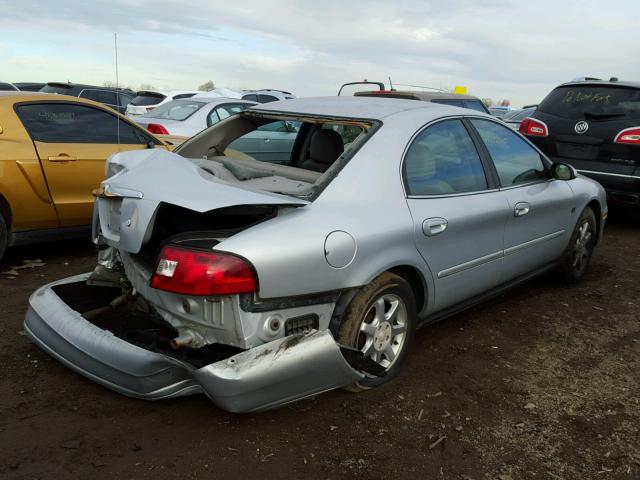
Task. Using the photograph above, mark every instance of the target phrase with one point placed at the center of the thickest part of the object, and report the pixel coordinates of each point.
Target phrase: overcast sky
(497, 48)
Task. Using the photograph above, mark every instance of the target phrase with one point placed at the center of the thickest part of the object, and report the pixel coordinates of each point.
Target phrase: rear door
(458, 212)
(73, 142)
(583, 122)
(540, 208)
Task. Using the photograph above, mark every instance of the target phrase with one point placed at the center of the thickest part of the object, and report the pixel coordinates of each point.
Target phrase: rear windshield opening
(143, 100)
(592, 102)
(289, 155)
(176, 110)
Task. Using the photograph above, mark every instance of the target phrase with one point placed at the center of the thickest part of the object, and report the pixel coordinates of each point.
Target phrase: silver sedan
(259, 283)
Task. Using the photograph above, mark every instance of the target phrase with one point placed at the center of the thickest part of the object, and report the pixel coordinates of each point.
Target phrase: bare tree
(146, 86)
(207, 86)
(505, 103)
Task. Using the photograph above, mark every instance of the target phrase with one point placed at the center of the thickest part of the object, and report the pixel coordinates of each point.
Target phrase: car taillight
(199, 272)
(533, 128)
(629, 136)
(157, 128)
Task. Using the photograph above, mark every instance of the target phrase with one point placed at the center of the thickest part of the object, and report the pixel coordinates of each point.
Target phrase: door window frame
(493, 183)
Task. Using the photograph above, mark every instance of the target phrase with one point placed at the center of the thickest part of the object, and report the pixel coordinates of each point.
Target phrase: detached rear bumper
(264, 377)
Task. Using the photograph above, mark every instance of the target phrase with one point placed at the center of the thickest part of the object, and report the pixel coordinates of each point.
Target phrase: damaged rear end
(168, 312)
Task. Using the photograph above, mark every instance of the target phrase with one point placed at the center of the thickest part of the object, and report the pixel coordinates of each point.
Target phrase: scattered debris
(433, 395)
(13, 270)
(333, 427)
(529, 406)
(459, 428)
(445, 414)
(420, 414)
(437, 442)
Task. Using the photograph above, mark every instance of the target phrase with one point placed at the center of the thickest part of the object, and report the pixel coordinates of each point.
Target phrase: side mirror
(562, 171)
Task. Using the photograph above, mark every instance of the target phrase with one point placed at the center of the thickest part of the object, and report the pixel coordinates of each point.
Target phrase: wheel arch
(594, 204)
(5, 211)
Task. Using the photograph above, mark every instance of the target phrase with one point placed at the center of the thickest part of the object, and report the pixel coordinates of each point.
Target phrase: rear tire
(380, 321)
(4, 236)
(576, 258)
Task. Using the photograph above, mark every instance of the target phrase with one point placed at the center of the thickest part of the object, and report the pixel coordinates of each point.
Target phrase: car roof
(85, 86)
(628, 84)
(362, 107)
(416, 95)
(168, 93)
(17, 96)
(212, 100)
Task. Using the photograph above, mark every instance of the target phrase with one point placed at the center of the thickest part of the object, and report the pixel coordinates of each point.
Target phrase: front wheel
(578, 254)
(380, 322)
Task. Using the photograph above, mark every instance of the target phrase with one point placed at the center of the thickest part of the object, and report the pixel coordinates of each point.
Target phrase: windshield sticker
(579, 97)
(50, 116)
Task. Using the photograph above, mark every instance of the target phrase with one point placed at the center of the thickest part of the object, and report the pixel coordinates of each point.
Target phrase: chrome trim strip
(609, 174)
(531, 243)
(494, 256)
(470, 264)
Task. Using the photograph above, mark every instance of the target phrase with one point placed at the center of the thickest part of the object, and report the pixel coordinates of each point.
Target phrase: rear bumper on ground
(264, 377)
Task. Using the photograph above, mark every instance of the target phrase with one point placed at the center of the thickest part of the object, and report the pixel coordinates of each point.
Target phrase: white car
(147, 100)
(266, 95)
(188, 116)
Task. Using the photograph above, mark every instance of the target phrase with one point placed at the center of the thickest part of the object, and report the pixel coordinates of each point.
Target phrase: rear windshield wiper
(600, 116)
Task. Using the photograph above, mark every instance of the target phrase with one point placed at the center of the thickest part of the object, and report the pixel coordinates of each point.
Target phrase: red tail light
(629, 136)
(533, 128)
(157, 128)
(198, 272)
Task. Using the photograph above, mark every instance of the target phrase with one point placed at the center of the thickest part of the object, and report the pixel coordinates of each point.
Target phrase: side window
(267, 98)
(515, 160)
(183, 95)
(251, 97)
(443, 159)
(452, 102)
(475, 105)
(225, 111)
(67, 123)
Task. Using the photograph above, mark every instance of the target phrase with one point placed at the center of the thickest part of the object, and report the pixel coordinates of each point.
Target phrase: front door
(73, 141)
(459, 217)
(540, 208)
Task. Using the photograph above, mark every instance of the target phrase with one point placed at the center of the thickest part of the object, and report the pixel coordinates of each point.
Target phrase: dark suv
(593, 125)
(118, 100)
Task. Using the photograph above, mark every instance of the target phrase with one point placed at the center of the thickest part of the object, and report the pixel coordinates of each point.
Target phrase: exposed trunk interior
(134, 322)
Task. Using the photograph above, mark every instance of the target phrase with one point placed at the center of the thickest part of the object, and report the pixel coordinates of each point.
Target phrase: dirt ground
(541, 383)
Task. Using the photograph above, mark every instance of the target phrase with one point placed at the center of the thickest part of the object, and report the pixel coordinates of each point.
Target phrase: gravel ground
(541, 383)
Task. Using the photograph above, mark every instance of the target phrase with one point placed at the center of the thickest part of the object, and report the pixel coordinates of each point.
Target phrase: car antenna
(390, 84)
(115, 44)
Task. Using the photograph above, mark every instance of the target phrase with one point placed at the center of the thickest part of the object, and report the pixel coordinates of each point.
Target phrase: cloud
(499, 48)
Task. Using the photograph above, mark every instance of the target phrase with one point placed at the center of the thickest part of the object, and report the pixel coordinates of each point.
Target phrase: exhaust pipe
(183, 340)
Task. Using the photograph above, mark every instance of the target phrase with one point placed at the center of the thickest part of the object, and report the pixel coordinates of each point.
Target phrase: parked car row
(246, 262)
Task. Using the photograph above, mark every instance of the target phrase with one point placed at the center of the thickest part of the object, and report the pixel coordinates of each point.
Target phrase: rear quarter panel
(366, 200)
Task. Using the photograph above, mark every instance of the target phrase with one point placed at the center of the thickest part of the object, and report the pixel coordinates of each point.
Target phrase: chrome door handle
(434, 226)
(522, 208)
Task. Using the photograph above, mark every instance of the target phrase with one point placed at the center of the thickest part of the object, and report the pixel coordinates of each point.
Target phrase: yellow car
(52, 154)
